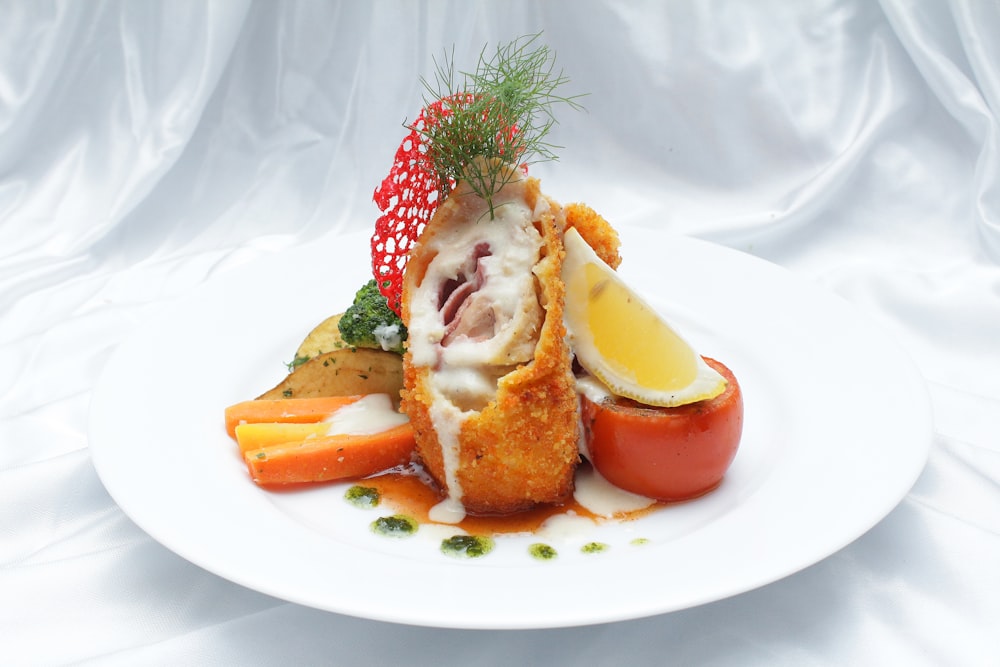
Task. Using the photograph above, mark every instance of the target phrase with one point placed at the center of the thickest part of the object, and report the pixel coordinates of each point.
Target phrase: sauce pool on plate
(411, 497)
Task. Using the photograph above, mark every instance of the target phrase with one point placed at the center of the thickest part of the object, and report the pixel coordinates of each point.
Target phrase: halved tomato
(665, 453)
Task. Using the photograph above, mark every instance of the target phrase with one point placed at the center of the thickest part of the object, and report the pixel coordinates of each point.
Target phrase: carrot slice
(255, 436)
(330, 457)
(284, 410)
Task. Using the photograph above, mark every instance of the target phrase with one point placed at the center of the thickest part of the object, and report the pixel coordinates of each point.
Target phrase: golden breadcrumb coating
(596, 231)
(521, 449)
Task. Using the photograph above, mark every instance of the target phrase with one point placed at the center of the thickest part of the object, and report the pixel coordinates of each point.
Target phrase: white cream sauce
(604, 498)
(565, 527)
(368, 415)
(592, 388)
(389, 336)
(447, 420)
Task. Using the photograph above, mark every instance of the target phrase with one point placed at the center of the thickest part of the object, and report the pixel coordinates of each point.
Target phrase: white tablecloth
(147, 147)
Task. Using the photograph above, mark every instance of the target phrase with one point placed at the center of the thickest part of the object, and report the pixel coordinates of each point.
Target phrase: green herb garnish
(594, 547)
(467, 546)
(296, 362)
(493, 118)
(397, 525)
(363, 496)
(542, 551)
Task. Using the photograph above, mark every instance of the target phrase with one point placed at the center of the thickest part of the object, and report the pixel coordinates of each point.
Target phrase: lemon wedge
(623, 341)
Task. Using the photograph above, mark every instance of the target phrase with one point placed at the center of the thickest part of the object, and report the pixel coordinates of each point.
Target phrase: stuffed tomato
(669, 454)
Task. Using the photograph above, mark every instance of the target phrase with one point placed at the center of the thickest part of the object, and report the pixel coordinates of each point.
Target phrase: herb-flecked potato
(325, 337)
(345, 372)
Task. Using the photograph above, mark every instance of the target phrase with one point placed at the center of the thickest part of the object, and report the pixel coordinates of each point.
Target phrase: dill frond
(480, 124)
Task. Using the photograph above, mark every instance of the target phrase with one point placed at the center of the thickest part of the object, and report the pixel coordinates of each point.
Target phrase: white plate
(836, 431)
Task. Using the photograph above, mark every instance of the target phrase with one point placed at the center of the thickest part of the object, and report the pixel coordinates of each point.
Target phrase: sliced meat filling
(482, 295)
(465, 310)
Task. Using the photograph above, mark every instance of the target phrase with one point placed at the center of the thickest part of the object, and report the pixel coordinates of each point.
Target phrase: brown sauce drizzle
(409, 491)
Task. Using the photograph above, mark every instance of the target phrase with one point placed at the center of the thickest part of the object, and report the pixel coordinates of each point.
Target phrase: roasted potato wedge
(325, 337)
(345, 372)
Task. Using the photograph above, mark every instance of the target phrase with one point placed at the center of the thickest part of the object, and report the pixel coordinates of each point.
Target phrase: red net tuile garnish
(408, 197)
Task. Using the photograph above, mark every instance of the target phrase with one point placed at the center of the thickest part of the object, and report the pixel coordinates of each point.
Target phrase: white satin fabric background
(146, 147)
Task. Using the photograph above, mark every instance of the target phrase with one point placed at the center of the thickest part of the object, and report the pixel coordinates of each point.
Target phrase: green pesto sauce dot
(542, 551)
(594, 547)
(397, 525)
(365, 497)
(639, 541)
(467, 546)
